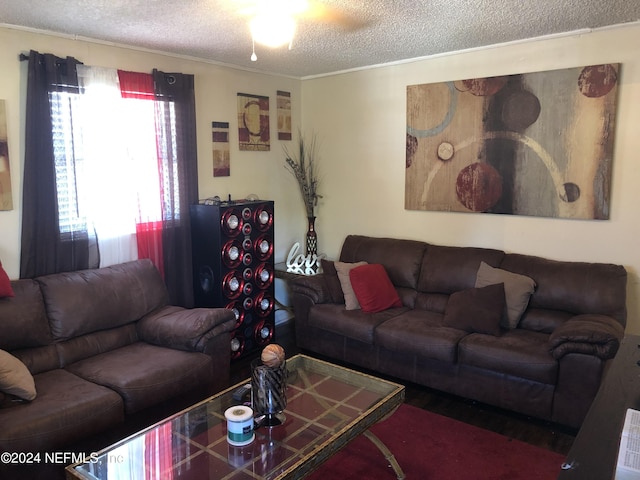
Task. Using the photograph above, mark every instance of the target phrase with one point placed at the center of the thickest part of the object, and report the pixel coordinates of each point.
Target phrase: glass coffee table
(327, 406)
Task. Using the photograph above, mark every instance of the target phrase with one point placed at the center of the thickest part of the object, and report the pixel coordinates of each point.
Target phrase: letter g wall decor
(538, 144)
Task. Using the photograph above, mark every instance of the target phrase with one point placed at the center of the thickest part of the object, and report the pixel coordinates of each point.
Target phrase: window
(109, 173)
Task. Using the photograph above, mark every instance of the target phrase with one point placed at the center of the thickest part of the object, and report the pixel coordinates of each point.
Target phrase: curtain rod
(23, 57)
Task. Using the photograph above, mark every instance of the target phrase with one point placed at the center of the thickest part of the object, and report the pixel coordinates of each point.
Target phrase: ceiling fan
(273, 22)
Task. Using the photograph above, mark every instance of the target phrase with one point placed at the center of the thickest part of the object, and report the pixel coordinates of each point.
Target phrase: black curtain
(43, 249)
(176, 233)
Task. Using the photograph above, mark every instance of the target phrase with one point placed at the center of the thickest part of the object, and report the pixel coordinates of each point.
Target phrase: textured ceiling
(365, 33)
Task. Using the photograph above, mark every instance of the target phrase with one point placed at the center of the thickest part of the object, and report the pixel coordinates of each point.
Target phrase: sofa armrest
(185, 329)
(590, 334)
(313, 286)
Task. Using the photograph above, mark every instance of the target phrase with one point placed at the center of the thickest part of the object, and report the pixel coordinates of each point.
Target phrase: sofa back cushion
(23, 321)
(574, 287)
(451, 269)
(85, 346)
(39, 359)
(400, 258)
(543, 320)
(87, 301)
(434, 302)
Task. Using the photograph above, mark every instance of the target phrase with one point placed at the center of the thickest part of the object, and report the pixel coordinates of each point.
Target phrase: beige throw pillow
(15, 377)
(343, 268)
(517, 290)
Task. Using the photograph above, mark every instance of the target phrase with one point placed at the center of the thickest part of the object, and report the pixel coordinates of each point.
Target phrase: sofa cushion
(85, 346)
(543, 320)
(434, 302)
(343, 268)
(476, 309)
(519, 353)
(85, 301)
(562, 285)
(400, 258)
(15, 378)
(24, 321)
(517, 290)
(145, 375)
(189, 329)
(66, 409)
(39, 359)
(5, 284)
(354, 324)
(421, 333)
(373, 289)
(332, 282)
(451, 269)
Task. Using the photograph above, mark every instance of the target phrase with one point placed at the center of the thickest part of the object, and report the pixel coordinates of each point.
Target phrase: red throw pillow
(373, 288)
(5, 284)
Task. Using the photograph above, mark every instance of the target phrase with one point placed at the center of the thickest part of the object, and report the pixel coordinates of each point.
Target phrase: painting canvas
(538, 144)
(253, 122)
(6, 197)
(221, 156)
(284, 115)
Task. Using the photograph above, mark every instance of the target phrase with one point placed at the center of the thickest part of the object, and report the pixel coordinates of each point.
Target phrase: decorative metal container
(269, 393)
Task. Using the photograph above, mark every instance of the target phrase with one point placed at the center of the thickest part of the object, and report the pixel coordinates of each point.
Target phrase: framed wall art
(253, 122)
(220, 143)
(284, 115)
(538, 144)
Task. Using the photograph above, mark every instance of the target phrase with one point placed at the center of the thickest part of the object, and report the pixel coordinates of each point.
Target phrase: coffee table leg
(386, 452)
(371, 436)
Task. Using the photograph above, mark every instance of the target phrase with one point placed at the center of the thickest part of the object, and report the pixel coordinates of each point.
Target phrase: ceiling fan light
(273, 30)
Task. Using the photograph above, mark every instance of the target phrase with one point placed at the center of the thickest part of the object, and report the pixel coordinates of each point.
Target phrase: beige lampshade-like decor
(273, 22)
(273, 29)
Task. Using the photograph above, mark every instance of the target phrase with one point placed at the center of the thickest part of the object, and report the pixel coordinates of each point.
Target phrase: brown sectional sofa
(549, 366)
(104, 347)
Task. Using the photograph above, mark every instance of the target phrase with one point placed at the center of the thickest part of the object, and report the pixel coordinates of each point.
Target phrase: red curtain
(149, 239)
(158, 453)
(138, 85)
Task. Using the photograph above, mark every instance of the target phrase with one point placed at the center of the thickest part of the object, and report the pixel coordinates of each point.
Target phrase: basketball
(272, 355)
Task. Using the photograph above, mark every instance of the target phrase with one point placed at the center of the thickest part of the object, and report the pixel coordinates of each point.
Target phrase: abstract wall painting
(6, 197)
(284, 115)
(221, 156)
(253, 122)
(537, 144)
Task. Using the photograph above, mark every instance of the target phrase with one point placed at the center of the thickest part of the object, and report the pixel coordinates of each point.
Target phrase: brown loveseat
(548, 365)
(103, 347)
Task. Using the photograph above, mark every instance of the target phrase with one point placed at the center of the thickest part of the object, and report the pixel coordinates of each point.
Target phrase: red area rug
(433, 447)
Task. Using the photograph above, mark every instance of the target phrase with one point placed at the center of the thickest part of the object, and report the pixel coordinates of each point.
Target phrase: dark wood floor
(536, 432)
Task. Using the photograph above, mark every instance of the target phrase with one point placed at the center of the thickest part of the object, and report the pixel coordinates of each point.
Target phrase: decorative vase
(312, 237)
(268, 392)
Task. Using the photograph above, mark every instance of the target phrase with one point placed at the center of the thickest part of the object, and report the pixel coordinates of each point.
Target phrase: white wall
(361, 118)
(261, 173)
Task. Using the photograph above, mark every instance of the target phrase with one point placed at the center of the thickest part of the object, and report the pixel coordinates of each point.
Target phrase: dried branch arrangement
(303, 167)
